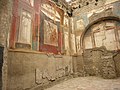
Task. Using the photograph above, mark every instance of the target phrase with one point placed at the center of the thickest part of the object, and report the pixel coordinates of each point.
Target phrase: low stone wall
(98, 62)
(28, 70)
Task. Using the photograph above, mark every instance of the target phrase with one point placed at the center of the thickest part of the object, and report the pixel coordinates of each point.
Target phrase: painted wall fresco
(22, 25)
(66, 43)
(50, 39)
(73, 44)
(90, 16)
(39, 29)
(78, 44)
(66, 34)
(80, 25)
(111, 9)
(25, 29)
(50, 33)
(35, 33)
(88, 42)
(102, 34)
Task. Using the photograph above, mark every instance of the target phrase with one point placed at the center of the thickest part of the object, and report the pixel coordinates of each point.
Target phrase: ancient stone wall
(78, 66)
(98, 62)
(5, 25)
(5, 20)
(29, 70)
(117, 63)
(85, 16)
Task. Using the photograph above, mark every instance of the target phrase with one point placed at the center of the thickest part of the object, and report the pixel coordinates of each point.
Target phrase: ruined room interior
(59, 44)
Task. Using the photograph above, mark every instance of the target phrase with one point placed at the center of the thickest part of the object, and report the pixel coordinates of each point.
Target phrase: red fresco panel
(50, 48)
(13, 26)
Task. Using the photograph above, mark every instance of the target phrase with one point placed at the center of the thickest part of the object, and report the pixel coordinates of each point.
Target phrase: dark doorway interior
(1, 64)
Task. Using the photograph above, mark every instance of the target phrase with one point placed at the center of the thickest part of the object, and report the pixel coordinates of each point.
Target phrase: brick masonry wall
(98, 62)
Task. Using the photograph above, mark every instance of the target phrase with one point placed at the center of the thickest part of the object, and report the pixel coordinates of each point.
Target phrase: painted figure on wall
(50, 33)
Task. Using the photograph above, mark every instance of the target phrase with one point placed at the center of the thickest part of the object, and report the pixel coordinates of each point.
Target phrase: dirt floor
(88, 83)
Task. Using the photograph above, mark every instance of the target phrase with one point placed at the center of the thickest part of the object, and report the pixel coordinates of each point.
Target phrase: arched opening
(97, 59)
(103, 32)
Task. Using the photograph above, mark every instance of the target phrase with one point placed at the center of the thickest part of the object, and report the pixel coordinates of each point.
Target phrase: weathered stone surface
(5, 26)
(117, 63)
(38, 76)
(107, 66)
(87, 83)
(78, 65)
(99, 62)
(89, 65)
(35, 69)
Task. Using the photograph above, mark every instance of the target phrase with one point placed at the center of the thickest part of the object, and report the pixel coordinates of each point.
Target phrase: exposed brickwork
(98, 62)
(117, 63)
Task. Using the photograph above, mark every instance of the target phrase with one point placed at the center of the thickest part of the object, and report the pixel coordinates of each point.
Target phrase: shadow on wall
(1, 64)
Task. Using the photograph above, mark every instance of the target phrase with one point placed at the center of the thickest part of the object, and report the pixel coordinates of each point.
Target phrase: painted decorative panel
(119, 38)
(92, 14)
(80, 25)
(73, 44)
(50, 36)
(110, 41)
(99, 37)
(66, 41)
(25, 28)
(103, 34)
(22, 24)
(72, 25)
(98, 27)
(109, 25)
(50, 12)
(78, 43)
(88, 42)
(50, 33)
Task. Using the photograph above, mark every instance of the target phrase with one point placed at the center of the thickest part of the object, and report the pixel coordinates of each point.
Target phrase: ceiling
(74, 4)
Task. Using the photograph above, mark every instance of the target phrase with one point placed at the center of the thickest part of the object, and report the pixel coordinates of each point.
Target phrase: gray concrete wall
(27, 70)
